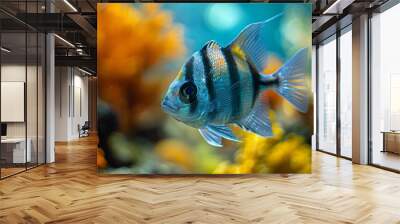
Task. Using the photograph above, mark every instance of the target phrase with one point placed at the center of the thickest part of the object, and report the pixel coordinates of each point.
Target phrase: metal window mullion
(37, 91)
(73, 92)
(26, 90)
(317, 97)
(338, 77)
(369, 89)
(69, 92)
(45, 95)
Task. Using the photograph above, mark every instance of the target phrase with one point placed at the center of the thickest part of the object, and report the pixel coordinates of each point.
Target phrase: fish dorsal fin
(210, 137)
(223, 131)
(257, 121)
(248, 44)
(211, 46)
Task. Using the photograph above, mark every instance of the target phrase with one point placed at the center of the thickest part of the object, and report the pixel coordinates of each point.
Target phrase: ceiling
(74, 22)
(331, 15)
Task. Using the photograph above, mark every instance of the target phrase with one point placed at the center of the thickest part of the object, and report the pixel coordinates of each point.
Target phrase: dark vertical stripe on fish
(234, 82)
(189, 70)
(209, 79)
(189, 77)
(255, 76)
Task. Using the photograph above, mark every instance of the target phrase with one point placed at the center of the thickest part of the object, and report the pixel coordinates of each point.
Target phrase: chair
(84, 130)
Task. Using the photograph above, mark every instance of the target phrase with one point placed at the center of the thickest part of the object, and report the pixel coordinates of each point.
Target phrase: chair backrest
(86, 124)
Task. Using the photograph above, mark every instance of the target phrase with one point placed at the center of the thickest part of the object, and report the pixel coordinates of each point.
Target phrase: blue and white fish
(219, 86)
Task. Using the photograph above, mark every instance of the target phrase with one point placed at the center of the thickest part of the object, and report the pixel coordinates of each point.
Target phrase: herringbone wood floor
(70, 191)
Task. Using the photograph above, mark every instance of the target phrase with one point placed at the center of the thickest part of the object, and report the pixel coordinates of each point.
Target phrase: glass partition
(31, 99)
(346, 92)
(327, 95)
(385, 89)
(14, 151)
(41, 91)
(23, 90)
(314, 90)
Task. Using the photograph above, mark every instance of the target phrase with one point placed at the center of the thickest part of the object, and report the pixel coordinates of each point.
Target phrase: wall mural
(204, 88)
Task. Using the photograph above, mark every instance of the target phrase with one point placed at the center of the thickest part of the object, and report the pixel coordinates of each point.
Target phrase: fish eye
(188, 92)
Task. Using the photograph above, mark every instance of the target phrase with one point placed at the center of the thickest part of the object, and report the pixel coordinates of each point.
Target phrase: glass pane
(385, 86)
(327, 96)
(31, 98)
(23, 90)
(314, 85)
(346, 94)
(41, 98)
(13, 86)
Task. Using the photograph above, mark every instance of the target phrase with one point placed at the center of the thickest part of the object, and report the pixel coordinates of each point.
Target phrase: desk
(16, 148)
(391, 141)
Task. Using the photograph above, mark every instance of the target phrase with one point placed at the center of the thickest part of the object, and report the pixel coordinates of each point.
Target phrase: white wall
(62, 81)
(80, 110)
(13, 100)
(12, 73)
(71, 94)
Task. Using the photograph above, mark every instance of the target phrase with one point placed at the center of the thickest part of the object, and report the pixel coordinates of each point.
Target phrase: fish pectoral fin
(258, 120)
(223, 131)
(210, 137)
(249, 44)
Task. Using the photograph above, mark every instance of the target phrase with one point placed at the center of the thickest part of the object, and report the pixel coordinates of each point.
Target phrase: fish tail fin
(291, 80)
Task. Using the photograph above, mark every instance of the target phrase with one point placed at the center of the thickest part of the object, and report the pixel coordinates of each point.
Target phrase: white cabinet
(17, 146)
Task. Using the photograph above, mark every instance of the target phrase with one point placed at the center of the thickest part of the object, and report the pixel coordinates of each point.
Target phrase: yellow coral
(282, 153)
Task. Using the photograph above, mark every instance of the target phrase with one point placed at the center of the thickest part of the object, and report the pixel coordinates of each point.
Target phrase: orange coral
(101, 161)
(131, 41)
(176, 152)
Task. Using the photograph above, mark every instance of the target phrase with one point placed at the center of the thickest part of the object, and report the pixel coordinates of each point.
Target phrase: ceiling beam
(81, 61)
(84, 24)
(319, 23)
(337, 6)
(49, 22)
